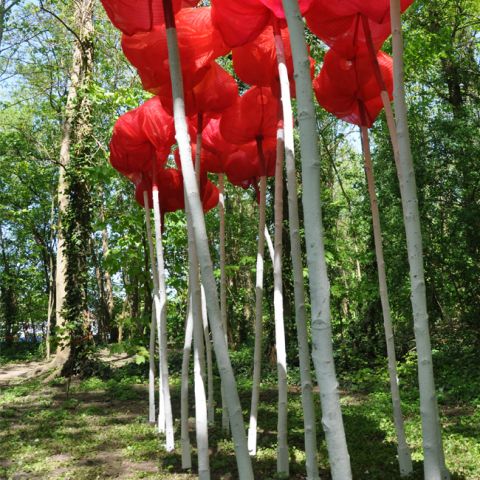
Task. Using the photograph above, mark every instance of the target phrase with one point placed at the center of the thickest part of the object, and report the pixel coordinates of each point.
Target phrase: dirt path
(17, 372)
(12, 373)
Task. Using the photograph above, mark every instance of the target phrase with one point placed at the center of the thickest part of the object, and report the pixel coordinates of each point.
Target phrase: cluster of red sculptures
(238, 133)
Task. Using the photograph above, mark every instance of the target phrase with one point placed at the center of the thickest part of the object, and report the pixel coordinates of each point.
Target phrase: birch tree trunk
(257, 355)
(223, 288)
(187, 347)
(404, 458)
(319, 284)
(434, 462)
(297, 268)
(197, 222)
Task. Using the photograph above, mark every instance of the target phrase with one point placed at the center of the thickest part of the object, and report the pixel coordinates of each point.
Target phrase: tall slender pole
(162, 325)
(257, 354)
(208, 351)
(198, 358)
(208, 371)
(155, 313)
(282, 432)
(223, 288)
(297, 267)
(434, 462)
(317, 267)
(187, 348)
(197, 222)
(404, 457)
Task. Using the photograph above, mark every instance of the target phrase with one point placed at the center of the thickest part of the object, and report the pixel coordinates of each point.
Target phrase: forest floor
(98, 430)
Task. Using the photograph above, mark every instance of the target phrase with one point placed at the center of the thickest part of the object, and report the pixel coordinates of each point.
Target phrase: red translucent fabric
(244, 165)
(241, 21)
(170, 190)
(171, 193)
(199, 44)
(217, 91)
(209, 162)
(254, 115)
(276, 6)
(342, 83)
(212, 138)
(157, 126)
(340, 24)
(133, 16)
(255, 63)
(131, 153)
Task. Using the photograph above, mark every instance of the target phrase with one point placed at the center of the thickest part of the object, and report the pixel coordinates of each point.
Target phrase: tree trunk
(434, 462)
(319, 284)
(82, 67)
(197, 222)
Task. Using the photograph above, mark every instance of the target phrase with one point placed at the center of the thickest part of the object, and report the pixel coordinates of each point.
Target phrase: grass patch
(99, 429)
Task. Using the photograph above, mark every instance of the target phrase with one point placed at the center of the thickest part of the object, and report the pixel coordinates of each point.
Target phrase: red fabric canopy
(170, 191)
(215, 92)
(255, 63)
(157, 125)
(240, 22)
(244, 165)
(130, 151)
(342, 83)
(254, 115)
(210, 162)
(276, 6)
(212, 139)
(133, 16)
(199, 45)
(140, 138)
(341, 27)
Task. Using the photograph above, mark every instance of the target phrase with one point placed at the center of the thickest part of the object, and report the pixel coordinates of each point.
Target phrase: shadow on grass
(103, 432)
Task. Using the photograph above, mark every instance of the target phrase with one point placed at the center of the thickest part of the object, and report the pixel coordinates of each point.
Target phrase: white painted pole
(155, 313)
(198, 358)
(309, 421)
(162, 325)
(282, 432)
(197, 222)
(434, 461)
(208, 350)
(404, 457)
(223, 287)
(187, 348)
(318, 278)
(208, 371)
(257, 354)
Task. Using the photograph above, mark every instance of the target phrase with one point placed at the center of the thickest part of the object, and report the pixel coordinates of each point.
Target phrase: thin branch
(54, 15)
